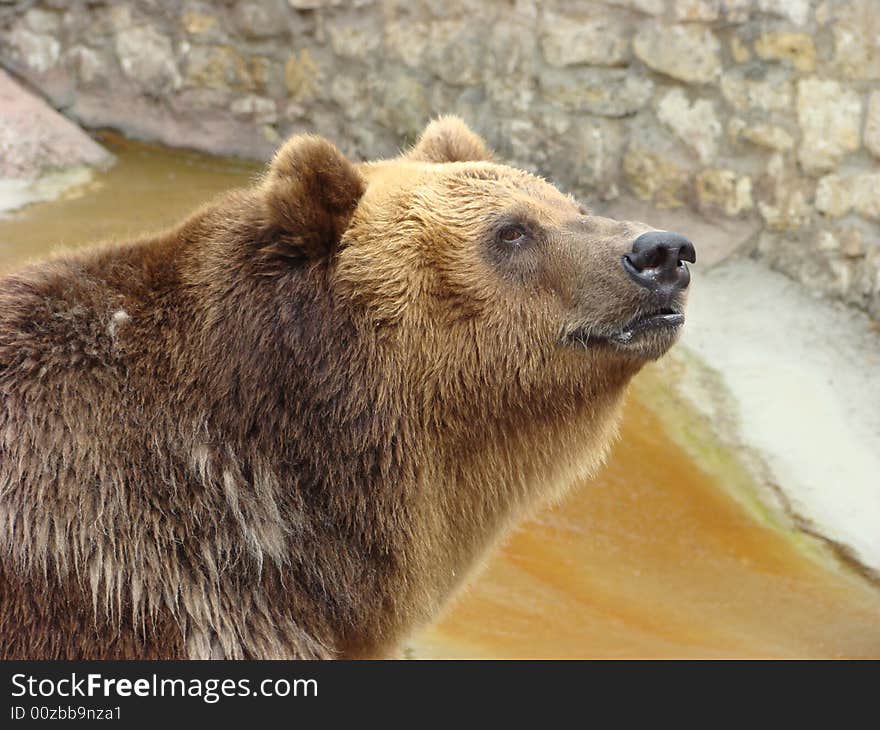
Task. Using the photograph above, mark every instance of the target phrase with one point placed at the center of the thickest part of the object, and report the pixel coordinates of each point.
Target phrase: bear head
(481, 269)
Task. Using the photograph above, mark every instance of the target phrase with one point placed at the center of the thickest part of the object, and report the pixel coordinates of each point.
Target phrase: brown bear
(293, 425)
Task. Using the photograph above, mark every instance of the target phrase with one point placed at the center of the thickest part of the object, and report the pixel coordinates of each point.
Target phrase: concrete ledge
(793, 393)
(42, 153)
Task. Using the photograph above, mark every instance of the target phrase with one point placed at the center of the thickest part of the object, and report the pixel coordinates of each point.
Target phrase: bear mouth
(661, 319)
(657, 325)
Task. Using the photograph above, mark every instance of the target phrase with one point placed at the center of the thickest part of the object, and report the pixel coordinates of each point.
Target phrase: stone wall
(767, 111)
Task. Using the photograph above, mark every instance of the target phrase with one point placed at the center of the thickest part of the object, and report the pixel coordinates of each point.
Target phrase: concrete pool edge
(701, 380)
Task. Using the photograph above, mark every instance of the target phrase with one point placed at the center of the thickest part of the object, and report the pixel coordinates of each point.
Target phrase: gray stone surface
(695, 123)
(597, 40)
(35, 139)
(872, 124)
(689, 53)
(147, 58)
(41, 152)
(604, 92)
(830, 117)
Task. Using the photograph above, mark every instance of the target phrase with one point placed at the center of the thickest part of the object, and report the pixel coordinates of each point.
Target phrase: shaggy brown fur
(291, 426)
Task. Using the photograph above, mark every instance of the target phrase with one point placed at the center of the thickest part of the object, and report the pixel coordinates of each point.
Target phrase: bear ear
(449, 139)
(311, 191)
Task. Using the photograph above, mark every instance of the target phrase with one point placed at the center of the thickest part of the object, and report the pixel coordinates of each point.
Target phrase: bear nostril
(654, 257)
(656, 261)
(687, 253)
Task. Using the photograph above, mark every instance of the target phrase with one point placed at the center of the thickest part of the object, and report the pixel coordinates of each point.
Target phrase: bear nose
(656, 261)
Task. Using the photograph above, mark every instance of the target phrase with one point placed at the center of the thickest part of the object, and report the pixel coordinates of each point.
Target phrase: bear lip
(665, 318)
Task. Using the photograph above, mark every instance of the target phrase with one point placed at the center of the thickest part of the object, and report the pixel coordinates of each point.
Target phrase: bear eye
(512, 234)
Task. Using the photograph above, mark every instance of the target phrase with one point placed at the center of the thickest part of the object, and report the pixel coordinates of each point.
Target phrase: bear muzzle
(657, 264)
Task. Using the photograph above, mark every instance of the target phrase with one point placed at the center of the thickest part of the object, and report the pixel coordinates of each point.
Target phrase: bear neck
(398, 479)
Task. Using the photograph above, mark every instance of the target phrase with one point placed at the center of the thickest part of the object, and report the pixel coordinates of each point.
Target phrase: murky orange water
(148, 189)
(655, 558)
